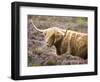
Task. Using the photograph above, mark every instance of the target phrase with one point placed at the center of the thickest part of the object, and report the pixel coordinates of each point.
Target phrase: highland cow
(65, 41)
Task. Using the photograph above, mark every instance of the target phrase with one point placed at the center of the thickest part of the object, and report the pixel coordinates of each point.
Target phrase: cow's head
(52, 35)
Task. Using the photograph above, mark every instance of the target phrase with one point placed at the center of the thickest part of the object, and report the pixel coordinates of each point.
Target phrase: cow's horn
(36, 27)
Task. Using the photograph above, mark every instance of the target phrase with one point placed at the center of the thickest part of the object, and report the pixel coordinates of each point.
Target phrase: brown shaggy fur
(69, 41)
(75, 43)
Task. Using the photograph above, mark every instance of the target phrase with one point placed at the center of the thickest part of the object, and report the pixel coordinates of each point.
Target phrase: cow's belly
(82, 52)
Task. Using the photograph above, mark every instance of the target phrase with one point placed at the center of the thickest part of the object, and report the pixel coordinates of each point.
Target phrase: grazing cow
(68, 41)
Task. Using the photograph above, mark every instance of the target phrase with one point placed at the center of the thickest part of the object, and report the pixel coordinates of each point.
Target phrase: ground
(38, 53)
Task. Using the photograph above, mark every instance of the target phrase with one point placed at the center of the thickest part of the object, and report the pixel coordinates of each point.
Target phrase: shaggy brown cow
(69, 41)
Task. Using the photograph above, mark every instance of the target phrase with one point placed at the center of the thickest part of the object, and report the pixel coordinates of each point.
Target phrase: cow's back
(75, 43)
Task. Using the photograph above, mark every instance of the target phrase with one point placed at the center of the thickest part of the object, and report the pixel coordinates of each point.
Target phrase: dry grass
(38, 53)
